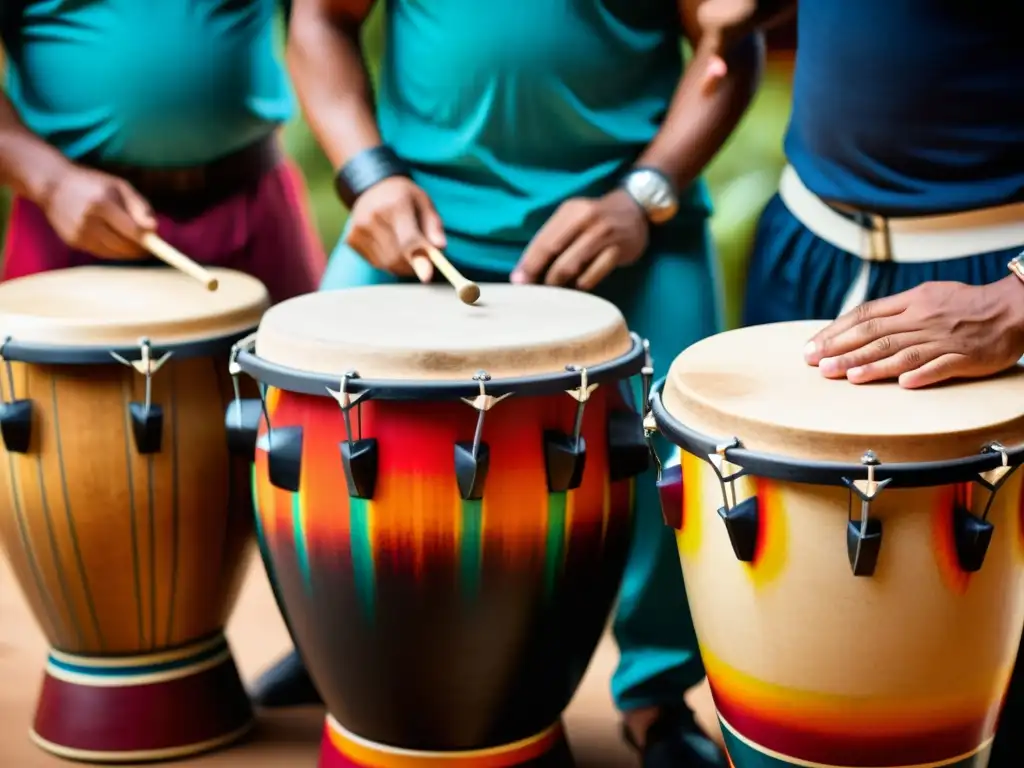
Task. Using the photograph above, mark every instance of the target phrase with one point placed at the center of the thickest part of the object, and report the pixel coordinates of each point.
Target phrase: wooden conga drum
(852, 554)
(125, 520)
(444, 499)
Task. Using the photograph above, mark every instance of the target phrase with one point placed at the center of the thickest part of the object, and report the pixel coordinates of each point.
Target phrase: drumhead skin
(423, 333)
(752, 384)
(113, 307)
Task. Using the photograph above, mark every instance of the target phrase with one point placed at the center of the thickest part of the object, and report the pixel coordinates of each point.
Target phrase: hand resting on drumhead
(99, 213)
(932, 333)
(584, 242)
(391, 222)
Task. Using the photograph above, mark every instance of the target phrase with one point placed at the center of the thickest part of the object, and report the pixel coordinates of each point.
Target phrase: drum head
(115, 306)
(753, 384)
(424, 333)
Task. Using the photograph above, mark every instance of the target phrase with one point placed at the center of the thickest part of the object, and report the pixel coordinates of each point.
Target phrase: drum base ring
(340, 748)
(142, 708)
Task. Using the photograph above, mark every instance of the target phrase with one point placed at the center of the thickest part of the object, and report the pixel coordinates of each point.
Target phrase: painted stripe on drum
(125, 397)
(554, 550)
(471, 542)
(361, 544)
(191, 656)
(151, 504)
(58, 565)
(175, 518)
(744, 753)
(80, 562)
(56, 624)
(299, 534)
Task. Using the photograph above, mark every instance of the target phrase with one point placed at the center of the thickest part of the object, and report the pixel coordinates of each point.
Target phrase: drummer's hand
(926, 335)
(390, 222)
(584, 242)
(98, 213)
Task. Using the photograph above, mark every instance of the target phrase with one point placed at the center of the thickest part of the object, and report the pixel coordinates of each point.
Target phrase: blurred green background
(742, 177)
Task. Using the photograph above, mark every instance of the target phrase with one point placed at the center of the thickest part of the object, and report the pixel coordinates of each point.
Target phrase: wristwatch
(1016, 265)
(653, 192)
(369, 167)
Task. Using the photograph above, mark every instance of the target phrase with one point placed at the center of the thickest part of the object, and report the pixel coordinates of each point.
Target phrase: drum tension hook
(973, 533)
(242, 417)
(147, 419)
(741, 518)
(358, 454)
(283, 446)
(15, 414)
(565, 456)
(864, 537)
(629, 451)
(669, 480)
(472, 459)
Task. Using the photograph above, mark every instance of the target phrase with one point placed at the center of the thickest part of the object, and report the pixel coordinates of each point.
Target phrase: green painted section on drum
(471, 548)
(363, 569)
(745, 755)
(554, 554)
(301, 550)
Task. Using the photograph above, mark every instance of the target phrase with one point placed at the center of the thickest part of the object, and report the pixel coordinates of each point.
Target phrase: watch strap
(366, 169)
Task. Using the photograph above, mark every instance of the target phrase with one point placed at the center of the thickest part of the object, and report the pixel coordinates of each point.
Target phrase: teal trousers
(671, 298)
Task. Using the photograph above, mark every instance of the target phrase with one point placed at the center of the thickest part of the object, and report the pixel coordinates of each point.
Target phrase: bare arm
(28, 165)
(699, 120)
(326, 62)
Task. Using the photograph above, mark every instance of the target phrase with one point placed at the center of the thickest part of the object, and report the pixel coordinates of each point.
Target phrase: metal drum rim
(832, 473)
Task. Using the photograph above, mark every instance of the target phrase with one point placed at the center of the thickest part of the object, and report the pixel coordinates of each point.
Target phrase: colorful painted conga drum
(444, 500)
(852, 554)
(126, 520)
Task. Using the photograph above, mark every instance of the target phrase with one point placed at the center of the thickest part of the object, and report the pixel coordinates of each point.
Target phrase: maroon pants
(265, 231)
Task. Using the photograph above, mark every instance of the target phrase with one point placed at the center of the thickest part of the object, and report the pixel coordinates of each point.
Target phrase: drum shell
(904, 667)
(121, 553)
(432, 623)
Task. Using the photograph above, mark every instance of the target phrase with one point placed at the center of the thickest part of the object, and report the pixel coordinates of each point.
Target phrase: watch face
(653, 193)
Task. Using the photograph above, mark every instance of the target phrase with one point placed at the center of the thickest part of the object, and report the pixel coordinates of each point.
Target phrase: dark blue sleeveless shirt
(910, 106)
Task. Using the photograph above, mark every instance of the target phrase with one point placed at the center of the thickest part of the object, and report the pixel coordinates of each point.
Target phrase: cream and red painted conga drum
(444, 499)
(852, 554)
(125, 520)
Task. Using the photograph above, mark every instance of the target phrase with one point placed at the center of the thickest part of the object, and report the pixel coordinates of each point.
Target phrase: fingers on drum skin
(942, 368)
(892, 367)
(823, 343)
(878, 349)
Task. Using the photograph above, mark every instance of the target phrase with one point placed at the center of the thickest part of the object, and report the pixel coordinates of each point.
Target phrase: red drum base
(160, 706)
(341, 749)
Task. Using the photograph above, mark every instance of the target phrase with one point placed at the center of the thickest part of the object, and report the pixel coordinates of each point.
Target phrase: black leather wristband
(369, 167)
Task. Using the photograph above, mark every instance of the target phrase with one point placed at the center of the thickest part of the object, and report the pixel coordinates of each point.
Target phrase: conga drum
(852, 554)
(125, 520)
(444, 499)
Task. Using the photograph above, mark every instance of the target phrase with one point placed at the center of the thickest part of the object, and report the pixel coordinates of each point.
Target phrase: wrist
(34, 169)
(653, 191)
(367, 169)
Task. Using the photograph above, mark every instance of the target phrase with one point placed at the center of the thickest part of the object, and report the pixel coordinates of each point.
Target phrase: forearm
(330, 77)
(28, 165)
(698, 121)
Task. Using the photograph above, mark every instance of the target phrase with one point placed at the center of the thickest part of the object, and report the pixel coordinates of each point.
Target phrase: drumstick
(170, 255)
(467, 290)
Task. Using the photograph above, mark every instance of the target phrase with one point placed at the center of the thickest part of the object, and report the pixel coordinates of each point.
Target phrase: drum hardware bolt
(146, 366)
(8, 368)
(721, 465)
(650, 430)
(994, 478)
(146, 419)
(581, 395)
(482, 403)
(15, 414)
(346, 402)
(742, 518)
(646, 375)
(864, 537)
(235, 370)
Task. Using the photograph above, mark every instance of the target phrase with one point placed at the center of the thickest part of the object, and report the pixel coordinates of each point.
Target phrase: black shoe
(675, 740)
(286, 684)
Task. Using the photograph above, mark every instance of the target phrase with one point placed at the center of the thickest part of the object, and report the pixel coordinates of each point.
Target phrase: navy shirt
(910, 106)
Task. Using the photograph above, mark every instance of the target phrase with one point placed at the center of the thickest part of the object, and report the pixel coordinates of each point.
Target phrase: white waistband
(906, 240)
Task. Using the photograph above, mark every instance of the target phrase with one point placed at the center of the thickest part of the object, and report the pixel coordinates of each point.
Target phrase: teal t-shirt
(145, 82)
(507, 108)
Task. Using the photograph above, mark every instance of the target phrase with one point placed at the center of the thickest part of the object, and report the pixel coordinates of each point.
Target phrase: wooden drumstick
(170, 255)
(467, 290)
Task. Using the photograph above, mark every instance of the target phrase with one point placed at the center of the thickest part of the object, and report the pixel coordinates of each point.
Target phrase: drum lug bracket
(973, 533)
(473, 459)
(146, 418)
(670, 494)
(242, 416)
(742, 519)
(284, 456)
(864, 536)
(629, 449)
(15, 414)
(358, 454)
(565, 455)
